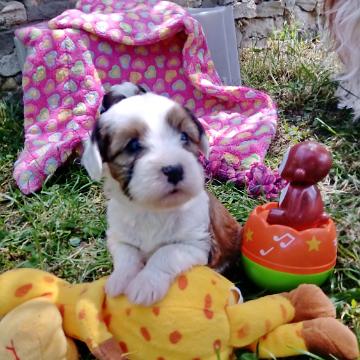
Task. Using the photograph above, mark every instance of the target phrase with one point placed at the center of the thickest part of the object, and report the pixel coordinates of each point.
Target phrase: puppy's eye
(133, 146)
(184, 137)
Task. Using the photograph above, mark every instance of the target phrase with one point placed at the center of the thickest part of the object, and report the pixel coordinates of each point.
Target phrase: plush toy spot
(182, 282)
(217, 345)
(23, 290)
(175, 337)
(123, 347)
(156, 310)
(145, 333)
(243, 331)
(208, 314)
(49, 279)
(207, 301)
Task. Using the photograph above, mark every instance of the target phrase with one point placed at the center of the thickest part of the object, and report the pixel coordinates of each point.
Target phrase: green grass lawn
(62, 227)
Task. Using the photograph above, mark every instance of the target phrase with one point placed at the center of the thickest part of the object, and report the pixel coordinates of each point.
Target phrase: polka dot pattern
(156, 44)
(175, 337)
(23, 290)
(145, 333)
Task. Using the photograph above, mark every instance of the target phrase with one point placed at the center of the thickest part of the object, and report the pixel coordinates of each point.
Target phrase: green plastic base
(278, 280)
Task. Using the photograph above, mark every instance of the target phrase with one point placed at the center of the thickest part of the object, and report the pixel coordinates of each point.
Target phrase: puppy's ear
(120, 92)
(204, 143)
(95, 154)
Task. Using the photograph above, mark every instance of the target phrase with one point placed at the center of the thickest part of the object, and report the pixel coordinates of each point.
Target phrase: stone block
(188, 3)
(12, 13)
(9, 65)
(9, 84)
(306, 20)
(256, 31)
(6, 42)
(270, 9)
(225, 2)
(245, 10)
(307, 5)
(46, 9)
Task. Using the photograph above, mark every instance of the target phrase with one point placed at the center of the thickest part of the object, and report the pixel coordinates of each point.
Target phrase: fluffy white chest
(148, 230)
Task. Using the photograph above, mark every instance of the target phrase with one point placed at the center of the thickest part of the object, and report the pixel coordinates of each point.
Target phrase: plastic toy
(200, 318)
(293, 241)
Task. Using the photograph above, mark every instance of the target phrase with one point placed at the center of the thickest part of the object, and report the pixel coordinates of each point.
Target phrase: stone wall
(14, 14)
(254, 19)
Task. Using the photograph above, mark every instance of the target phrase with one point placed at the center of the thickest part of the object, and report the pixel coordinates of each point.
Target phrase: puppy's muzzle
(174, 173)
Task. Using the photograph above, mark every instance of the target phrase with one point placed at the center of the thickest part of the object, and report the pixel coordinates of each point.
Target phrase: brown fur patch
(121, 162)
(179, 119)
(226, 234)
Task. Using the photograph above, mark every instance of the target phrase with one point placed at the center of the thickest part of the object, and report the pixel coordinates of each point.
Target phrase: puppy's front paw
(119, 280)
(148, 287)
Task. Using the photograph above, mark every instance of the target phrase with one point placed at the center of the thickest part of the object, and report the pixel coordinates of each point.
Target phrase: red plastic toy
(300, 205)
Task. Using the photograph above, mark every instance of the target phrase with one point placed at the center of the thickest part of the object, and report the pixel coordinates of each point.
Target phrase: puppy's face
(150, 146)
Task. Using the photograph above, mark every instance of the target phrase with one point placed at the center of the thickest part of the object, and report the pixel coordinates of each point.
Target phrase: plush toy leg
(253, 319)
(93, 323)
(325, 336)
(310, 302)
(33, 331)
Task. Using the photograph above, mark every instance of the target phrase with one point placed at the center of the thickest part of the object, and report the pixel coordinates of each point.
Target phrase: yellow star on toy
(249, 235)
(313, 244)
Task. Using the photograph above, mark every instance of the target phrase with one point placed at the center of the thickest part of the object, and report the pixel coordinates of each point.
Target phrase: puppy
(161, 221)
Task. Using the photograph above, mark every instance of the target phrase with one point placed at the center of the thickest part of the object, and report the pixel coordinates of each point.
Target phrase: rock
(6, 42)
(289, 4)
(257, 30)
(245, 10)
(13, 13)
(9, 65)
(225, 2)
(9, 85)
(306, 20)
(46, 9)
(307, 5)
(270, 9)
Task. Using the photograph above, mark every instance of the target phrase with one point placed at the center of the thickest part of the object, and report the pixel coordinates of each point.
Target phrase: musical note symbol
(265, 252)
(284, 245)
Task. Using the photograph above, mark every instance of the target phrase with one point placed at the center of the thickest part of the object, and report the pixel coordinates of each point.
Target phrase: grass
(62, 227)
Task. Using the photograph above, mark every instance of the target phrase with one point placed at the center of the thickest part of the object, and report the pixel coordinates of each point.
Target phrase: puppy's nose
(174, 173)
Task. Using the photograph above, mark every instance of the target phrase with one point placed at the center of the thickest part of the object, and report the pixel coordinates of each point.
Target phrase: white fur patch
(345, 28)
(158, 229)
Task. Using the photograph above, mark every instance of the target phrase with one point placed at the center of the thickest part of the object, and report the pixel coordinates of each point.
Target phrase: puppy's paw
(148, 287)
(119, 280)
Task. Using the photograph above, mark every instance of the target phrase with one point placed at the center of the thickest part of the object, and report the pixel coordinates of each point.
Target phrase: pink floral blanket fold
(78, 56)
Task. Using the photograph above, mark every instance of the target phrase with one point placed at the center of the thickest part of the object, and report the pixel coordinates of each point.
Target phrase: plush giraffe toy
(200, 318)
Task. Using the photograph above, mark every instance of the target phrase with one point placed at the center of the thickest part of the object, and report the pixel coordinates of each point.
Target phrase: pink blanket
(81, 53)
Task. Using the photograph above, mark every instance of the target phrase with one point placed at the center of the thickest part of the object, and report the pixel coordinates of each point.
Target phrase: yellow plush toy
(200, 318)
